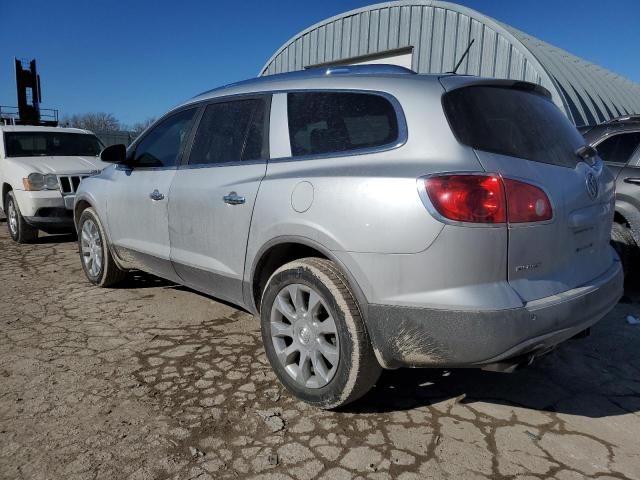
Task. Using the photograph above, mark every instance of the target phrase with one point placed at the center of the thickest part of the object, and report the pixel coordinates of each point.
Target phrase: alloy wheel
(304, 336)
(91, 245)
(13, 217)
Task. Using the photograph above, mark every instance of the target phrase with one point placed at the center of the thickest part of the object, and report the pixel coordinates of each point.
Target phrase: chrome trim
(68, 201)
(591, 183)
(71, 182)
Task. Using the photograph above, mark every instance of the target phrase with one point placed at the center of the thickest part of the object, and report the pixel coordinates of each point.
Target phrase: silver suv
(371, 217)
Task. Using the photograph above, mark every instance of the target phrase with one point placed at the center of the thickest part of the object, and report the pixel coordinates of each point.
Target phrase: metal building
(429, 36)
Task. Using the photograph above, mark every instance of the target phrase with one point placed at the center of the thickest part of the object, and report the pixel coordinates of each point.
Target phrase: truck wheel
(19, 229)
(97, 262)
(314, 335)
(623, 242)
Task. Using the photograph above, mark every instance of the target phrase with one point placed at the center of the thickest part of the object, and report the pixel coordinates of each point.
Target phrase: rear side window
(619, 148)
(230, 132)
(337, 122)
(513, 122)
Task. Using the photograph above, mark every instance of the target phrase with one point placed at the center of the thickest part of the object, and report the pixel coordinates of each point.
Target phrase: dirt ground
(152, 380)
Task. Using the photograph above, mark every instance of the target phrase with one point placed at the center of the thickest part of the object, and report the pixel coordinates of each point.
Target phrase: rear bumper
(420, 337)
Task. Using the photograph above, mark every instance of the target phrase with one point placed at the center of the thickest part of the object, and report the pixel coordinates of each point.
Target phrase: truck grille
(69, 183)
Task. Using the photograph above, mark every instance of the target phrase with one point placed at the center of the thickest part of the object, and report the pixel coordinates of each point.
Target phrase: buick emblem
(592, 185)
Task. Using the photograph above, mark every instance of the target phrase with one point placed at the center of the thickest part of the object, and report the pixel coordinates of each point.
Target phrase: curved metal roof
(438, 32)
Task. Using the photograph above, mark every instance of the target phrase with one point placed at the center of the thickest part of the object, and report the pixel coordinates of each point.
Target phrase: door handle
(156, 195)
(233, 199)
(635, 181)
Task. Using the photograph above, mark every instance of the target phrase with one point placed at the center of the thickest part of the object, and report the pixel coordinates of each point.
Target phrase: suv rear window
(514, 122)
(336, 122)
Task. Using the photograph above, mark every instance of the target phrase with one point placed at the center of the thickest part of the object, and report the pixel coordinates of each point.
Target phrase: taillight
(526, 203)
(487, 199)
(468, 198)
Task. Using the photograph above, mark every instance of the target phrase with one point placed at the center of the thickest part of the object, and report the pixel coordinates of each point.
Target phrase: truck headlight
(38, 181)
(51, 182)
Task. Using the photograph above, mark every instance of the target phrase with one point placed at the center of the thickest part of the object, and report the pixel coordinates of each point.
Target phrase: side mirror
(114, 154)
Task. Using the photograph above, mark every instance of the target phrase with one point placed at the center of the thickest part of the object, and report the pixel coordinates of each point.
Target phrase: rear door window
(514, 122)
(619, 148)
(231, 131)
(337, 122)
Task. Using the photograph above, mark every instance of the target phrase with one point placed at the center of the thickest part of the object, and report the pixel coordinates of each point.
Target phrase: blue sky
(137, 58)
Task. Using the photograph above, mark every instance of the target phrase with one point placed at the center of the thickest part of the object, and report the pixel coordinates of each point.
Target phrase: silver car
(371, 217)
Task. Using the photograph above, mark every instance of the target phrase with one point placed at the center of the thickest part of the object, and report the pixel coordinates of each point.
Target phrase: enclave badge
(592, 185)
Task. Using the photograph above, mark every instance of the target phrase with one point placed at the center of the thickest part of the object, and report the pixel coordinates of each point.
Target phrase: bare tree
(93, 121)
(137, 128)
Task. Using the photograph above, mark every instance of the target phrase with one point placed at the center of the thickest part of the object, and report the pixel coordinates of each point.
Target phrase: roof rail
(315, 72)
(367, 69)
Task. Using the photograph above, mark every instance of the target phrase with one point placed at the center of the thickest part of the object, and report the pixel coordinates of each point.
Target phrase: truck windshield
(34, 144)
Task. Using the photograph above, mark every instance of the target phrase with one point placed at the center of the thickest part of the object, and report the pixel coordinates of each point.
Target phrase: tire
(95, 256)
(321, 293)
(19, 229)
(623, 242)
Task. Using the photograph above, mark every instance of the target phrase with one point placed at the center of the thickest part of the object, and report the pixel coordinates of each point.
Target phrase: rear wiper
(586, 152)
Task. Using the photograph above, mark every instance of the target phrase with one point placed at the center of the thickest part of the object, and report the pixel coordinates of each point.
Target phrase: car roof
(593, 134)
(340, 76)
(36, 128)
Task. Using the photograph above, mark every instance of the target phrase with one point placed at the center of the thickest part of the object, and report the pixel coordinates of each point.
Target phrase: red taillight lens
(468, 198)
(526, 203)
(487, 199)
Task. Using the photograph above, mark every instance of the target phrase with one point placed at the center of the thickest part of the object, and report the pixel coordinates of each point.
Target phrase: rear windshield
(34, 144)
(336, 122)
(513, 122)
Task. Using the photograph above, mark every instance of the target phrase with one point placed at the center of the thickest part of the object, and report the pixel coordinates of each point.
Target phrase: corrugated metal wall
(439, 32)
(592, 94)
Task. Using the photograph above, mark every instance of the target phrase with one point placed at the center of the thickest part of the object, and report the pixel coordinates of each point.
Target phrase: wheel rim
(304, 335)
(91, 246)
(13, 217)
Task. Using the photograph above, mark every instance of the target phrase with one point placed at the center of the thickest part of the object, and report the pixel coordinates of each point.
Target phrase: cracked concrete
(152, 380)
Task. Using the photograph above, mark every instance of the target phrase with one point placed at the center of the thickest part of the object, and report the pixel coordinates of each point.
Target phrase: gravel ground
(152, 380)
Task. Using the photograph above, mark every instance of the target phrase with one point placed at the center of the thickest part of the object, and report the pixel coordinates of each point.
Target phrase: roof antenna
(466, 52)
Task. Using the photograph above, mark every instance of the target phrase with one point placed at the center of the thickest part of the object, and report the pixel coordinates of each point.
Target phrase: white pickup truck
(40, 171)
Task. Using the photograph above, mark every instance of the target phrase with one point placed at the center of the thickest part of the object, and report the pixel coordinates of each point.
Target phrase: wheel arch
(278, 251)
(629, 215)
(6, 188)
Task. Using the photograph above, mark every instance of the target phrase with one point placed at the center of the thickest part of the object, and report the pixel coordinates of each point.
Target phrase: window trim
(264, 96)
(634, 160)
(400, 140)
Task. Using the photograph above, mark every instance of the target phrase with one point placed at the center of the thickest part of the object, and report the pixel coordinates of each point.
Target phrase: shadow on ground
(54, 239)
(596, 377)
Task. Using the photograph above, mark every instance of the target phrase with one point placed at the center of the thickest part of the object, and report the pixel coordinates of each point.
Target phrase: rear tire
(319, 348)
(19, 229)
(623, 242)
(95, 256)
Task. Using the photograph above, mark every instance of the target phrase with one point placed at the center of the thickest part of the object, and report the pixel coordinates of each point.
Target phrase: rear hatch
(517, 132)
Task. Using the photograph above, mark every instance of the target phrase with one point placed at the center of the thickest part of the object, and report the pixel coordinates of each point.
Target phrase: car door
(213, 195)
(137, 209)
(616, 151)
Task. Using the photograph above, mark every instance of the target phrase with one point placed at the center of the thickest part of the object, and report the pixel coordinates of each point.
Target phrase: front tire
(314, 335)
(19, 230)
(97, 262)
